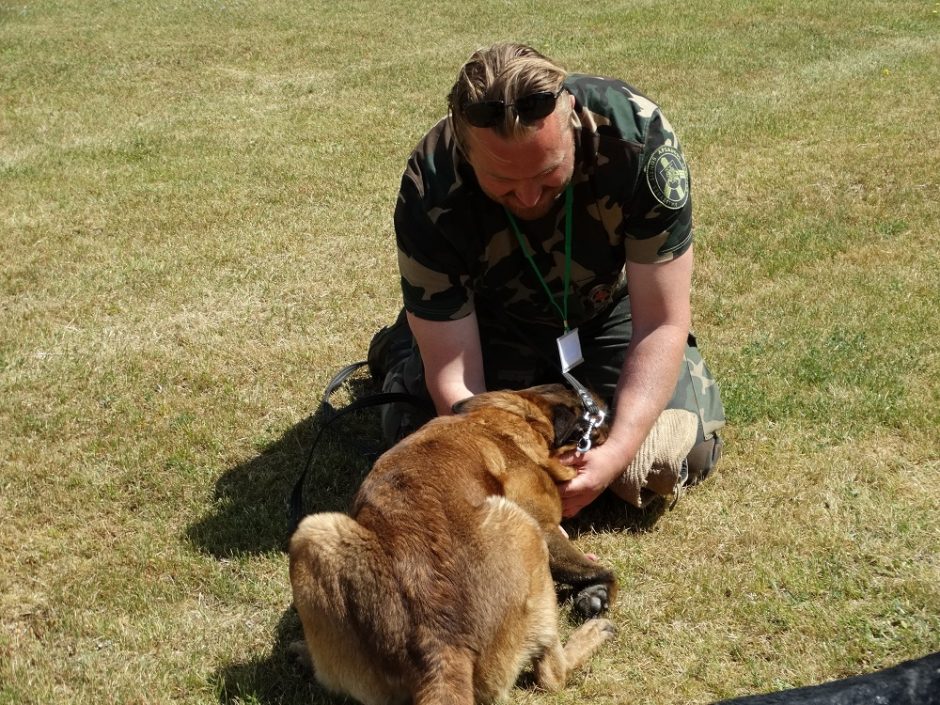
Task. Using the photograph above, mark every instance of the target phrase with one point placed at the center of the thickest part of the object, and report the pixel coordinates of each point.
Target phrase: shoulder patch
(668, 177)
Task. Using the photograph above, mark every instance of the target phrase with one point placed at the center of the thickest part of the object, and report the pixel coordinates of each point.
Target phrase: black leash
(295, 502)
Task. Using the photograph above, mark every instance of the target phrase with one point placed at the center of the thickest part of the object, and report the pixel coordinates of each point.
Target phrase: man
(548, 218)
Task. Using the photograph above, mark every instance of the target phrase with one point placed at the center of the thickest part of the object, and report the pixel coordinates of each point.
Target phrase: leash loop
(295, 500)
(593, 421)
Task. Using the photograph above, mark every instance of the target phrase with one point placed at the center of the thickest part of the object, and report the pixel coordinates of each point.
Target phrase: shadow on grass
(250, 511)
(609, 513)
(277, 678)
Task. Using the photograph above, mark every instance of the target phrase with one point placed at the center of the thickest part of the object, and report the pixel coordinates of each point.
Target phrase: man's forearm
(647, 382)
(453, 364)
(446, 391)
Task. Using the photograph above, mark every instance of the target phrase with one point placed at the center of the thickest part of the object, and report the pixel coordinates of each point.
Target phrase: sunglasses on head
(529, 108)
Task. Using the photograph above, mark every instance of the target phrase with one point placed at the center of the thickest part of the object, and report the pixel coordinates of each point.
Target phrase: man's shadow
(250, 513)
(609, 513)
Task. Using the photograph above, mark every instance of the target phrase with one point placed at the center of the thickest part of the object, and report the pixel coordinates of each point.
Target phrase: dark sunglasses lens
(535, 106)
(485, 114)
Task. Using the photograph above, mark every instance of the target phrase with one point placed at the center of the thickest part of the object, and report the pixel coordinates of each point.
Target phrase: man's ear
(563, 421)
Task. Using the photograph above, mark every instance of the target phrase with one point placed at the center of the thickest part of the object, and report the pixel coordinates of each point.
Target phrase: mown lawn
(195, 234)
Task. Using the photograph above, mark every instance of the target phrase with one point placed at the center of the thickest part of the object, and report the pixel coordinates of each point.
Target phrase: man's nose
(528, 194)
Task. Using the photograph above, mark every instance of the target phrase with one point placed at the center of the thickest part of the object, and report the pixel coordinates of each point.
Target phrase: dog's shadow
(279, 677)
(250, 510)
(250, 516)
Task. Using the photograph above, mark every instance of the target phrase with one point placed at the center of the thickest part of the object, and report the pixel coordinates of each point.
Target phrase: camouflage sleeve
(434, 278)
(659, 226)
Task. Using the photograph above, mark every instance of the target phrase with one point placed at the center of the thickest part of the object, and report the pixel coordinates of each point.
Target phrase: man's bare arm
(453, 361)
(660, 307)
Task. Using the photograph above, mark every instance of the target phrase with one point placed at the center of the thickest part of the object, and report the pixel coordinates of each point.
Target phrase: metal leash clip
(594, 420)
(593, 414)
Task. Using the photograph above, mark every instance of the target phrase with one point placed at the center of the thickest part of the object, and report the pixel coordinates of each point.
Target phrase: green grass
(195, 233)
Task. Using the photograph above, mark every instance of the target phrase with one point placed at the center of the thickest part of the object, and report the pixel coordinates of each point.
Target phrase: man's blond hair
(506, 71)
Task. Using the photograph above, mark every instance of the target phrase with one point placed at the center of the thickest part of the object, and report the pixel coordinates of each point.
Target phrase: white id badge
(569, 350)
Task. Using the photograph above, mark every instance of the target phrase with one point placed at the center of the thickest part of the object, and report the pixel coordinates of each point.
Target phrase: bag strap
(295, 502)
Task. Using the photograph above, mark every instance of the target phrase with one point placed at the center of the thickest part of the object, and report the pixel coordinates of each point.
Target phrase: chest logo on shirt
(668, 177)
(600, 295)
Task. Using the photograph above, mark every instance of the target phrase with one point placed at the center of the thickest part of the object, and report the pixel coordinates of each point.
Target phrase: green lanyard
(526, 250)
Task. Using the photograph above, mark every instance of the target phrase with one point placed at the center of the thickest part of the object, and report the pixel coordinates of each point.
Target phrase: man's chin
(539, 211)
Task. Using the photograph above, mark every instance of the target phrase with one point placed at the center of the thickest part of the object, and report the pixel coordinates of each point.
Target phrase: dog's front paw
(592, 601)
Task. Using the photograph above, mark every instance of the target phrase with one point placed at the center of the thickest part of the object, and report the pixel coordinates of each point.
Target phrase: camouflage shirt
(456, 248)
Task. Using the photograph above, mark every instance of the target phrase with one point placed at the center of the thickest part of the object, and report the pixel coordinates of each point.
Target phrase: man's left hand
(596, 470)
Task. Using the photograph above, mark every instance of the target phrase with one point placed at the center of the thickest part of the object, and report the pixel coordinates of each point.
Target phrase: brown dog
(437, 588)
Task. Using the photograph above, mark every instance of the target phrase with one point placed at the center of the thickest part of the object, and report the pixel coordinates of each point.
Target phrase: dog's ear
(564, 421)
(559, 472)
(468, 404)
(477, 401)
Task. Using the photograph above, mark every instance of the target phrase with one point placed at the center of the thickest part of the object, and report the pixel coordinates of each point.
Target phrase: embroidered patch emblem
(668, 177)
(600, 294)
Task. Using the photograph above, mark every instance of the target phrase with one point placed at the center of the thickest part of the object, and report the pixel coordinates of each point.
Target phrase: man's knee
(702, 459)
(698, 392)
(389, 346)
(395, 364)
(402, 418)
(399, 419)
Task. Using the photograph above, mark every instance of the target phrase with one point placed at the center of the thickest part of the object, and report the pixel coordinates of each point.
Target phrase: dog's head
(556, 411)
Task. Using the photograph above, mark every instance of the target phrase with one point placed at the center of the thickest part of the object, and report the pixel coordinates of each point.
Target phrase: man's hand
(596, 470)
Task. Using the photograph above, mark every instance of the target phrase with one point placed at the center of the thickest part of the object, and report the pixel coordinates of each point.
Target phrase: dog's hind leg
(347, 605)
(558, 662)
(519, 599)
(529, 629)
(449, 680)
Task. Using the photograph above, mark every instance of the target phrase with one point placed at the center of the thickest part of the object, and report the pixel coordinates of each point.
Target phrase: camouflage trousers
(514, 360)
